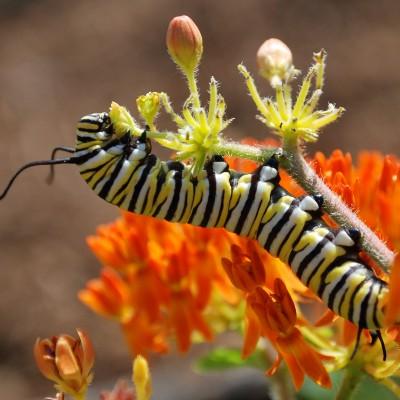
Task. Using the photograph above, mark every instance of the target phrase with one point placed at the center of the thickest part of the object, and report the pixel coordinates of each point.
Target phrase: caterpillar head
(96, 130)
(96, 127)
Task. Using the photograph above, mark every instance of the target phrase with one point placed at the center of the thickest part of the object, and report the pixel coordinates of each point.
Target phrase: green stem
(295, 164)
(351, 379)
(282, 386)
(191, 77)
(234, 149)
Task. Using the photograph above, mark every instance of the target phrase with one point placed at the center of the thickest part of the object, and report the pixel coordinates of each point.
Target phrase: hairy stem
(191, 78)
(234, 149)
(295, 164)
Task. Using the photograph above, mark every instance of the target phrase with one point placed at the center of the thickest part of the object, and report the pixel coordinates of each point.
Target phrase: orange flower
(273, 315)
(67, 362)
(277, 318)
(111, 245)
(245, 272)
(109, 295)
(393, 307)
(143, 335)
(185, 315)
(203, 249)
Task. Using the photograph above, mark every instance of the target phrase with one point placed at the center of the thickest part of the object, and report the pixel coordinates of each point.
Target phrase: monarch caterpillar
(122, 170)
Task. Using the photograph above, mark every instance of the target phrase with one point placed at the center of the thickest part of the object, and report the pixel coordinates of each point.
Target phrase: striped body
(123, 171)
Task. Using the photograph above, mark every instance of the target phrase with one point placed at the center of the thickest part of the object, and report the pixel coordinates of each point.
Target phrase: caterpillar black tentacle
(33, 164)
(121, 169)
(71, 150)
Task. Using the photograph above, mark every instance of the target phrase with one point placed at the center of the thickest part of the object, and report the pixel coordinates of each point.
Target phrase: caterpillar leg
(357, 345)
(378, 336)
(375, 336)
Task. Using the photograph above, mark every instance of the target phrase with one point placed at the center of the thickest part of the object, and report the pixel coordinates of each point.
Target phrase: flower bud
(148, 106)
(141, 378)
(184, 43)
(66, 361)
(274, 60)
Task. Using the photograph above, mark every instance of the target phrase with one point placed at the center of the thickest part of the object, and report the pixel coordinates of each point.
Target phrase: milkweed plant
(173, 285)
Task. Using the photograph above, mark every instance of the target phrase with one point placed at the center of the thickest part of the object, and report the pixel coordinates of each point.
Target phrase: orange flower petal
(327, 318)
(252, 332)
(85, 352)
(67, 363)
(275, 365)
(44, 357)
(306, 357)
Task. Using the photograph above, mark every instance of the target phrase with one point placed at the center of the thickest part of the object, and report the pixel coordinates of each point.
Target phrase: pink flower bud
(184, 42)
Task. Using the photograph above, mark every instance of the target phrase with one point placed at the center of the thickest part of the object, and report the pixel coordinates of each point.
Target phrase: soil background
(62, 59)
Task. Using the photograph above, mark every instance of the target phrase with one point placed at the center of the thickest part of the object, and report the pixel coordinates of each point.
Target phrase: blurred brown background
(62, 59)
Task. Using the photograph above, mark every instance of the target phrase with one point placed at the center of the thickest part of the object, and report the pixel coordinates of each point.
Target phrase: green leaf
(225, 358)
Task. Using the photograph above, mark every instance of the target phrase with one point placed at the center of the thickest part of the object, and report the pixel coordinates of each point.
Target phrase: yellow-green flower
(294, 118)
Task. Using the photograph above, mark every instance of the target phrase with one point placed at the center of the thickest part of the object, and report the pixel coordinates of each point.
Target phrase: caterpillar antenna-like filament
(50, 177)
(34, 164)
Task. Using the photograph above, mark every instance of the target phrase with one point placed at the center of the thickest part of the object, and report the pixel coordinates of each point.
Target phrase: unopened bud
(275, 60)
(184, 43)
(141, 378)
(148, 106)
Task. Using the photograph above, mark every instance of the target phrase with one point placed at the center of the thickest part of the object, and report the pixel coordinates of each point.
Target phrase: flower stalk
(350, 381)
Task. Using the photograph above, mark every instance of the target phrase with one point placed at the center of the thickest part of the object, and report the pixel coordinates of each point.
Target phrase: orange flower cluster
(157, 279)
(372, 188)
